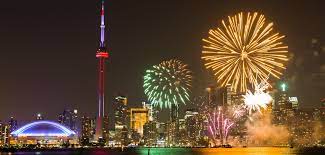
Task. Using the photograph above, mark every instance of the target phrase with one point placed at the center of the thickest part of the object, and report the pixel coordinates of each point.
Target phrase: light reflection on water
(163, 151)
(172, 151)
(221, 151)
(248, 151)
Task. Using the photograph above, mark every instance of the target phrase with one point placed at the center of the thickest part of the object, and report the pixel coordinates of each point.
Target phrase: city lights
(283, 86)
(162, 78)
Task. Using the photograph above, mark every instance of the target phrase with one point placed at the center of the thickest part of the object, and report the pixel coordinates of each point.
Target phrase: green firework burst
(168, 83)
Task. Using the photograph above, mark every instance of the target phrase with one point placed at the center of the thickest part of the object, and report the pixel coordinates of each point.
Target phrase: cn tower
(102, 55)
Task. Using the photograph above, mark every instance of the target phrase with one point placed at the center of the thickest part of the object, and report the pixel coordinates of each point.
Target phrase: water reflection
(246, 151)
(218, 151)
(177, 151)
(164, 151)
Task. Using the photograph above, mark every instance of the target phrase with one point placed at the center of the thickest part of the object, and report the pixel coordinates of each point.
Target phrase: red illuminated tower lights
(101, 54)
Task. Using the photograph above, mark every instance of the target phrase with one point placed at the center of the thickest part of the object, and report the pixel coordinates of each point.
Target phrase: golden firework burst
(244, 50)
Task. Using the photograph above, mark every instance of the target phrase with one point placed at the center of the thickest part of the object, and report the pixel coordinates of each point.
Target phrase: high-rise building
(152, 111)
(294, 102)
(224, 96)
(182, 124)
(121, 112)
(182, 133)
(102, 55)
(69, 119)
(212, 97)
(121, 118)
(87, 130)
(192, 126)
(172, 133)
(150, 133)
(174, 113)
(120, 137)
(124, 136)
(4, 133)
(162, 134)
(173, 125)
(138, 117)
(13, 124)
(283, 99)
(105, 129)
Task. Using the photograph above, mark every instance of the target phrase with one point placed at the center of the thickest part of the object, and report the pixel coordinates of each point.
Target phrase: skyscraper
(283, 100)
(150, 133)
(138, 117)
(101, 54)
(173, 126)
(120, 113)
(223, 96)
(192, 126)
(4, 133)
(69, 119)
(294, 102)
(105, 129)
(87, 130)
(151, 111)
(13, 124)
(174, 113)
(211, 97)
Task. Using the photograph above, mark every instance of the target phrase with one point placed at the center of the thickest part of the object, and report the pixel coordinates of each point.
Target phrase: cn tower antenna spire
(102, 26)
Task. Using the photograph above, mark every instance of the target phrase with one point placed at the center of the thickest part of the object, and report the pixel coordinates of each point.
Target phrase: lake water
(177, 151)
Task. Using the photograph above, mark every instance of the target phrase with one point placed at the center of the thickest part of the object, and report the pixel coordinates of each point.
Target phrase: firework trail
(219, 126)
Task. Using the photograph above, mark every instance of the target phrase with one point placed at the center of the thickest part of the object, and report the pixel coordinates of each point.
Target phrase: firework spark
(245, 46)
(238, 111)
(168, 83)
(219, 126)
(259, 99)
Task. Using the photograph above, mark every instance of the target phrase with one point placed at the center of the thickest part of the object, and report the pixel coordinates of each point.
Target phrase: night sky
(47, 48)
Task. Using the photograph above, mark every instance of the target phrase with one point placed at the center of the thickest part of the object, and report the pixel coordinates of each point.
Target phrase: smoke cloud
(262, 132)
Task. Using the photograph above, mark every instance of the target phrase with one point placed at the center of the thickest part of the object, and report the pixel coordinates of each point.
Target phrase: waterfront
(181, 151)
(190, 79)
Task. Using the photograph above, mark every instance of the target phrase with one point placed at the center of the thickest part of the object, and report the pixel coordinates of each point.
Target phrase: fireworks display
(244, 47)
(238, 111)
(168, 83)
(219, 126)
(259, 99)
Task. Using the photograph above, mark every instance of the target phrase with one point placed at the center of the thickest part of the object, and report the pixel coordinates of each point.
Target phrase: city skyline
(54, 63)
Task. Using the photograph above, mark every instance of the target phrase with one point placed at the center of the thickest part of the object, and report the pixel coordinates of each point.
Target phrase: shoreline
(132, 149)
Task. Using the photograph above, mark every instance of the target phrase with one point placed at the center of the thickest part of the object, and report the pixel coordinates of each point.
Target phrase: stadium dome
(43, 129)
